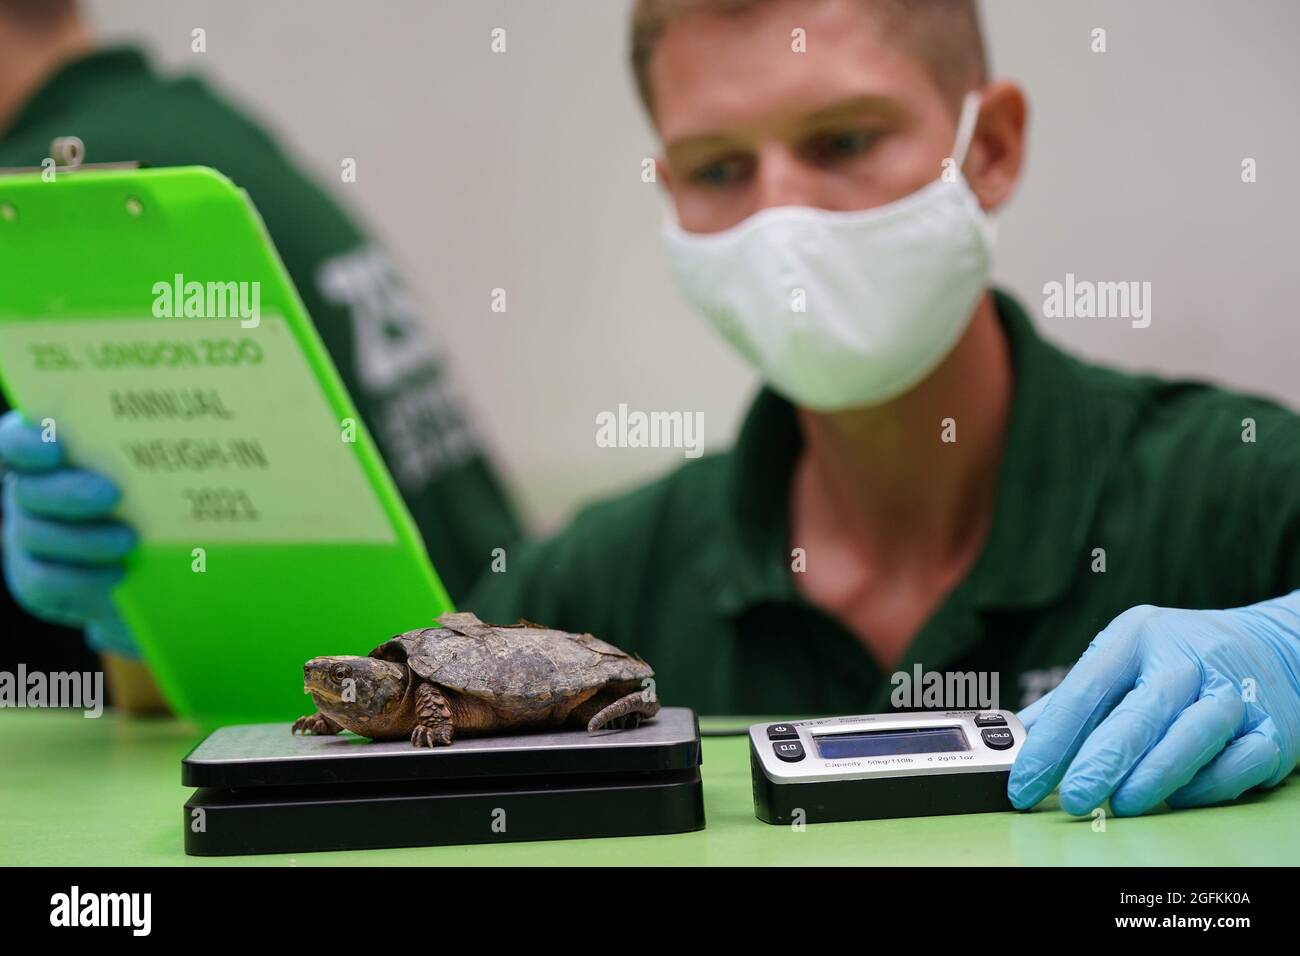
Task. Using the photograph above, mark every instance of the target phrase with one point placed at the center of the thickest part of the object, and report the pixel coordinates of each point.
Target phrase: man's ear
(997, 149)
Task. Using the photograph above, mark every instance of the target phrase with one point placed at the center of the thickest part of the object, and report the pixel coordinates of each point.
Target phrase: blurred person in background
(63, 554)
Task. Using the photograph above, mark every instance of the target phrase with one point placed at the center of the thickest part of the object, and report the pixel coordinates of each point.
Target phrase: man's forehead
(715, 73)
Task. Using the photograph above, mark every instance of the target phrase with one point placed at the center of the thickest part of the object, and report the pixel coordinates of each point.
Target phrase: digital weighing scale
(883, 765)
(263, 790)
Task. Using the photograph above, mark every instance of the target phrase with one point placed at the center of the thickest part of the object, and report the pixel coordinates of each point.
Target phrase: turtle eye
(341, 672)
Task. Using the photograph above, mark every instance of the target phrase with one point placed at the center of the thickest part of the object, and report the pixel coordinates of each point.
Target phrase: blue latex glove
(62, 556)
(1187, 707)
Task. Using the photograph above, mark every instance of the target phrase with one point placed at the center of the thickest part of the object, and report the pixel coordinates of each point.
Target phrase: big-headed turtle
(468, 677)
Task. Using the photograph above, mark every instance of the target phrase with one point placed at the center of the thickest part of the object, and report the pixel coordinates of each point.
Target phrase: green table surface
(107, 791)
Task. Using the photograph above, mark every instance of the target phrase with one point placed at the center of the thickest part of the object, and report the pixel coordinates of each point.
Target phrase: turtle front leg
(432, 717)
(315, 724)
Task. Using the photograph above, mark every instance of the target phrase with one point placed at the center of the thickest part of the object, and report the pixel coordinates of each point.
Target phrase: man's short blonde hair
(37, 12)
(944, 34)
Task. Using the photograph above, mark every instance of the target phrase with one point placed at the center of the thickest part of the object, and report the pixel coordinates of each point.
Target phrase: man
(62, 556)
(925, 483)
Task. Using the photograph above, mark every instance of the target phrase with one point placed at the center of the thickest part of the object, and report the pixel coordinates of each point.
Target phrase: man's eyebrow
(836, 110)
(853, 104)
(702, 141)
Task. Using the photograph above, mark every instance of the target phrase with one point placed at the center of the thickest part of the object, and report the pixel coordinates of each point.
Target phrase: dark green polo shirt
(694, 570)
(379, 339)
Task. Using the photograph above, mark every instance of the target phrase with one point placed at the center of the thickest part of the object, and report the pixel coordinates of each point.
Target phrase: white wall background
(522, 171)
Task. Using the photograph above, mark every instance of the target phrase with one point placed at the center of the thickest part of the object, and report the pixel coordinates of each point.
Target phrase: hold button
(998, 739)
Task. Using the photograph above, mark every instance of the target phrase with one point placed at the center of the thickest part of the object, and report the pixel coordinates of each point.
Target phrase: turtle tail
(627, 711)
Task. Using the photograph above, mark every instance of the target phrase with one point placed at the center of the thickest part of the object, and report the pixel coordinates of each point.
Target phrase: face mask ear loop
(970, 114)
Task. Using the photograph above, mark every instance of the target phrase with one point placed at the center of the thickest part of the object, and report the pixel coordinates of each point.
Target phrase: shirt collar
(90, 74)
(1046, 496)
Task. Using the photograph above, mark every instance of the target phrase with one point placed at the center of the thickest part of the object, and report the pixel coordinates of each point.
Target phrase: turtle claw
(314, 724)
(430, 737)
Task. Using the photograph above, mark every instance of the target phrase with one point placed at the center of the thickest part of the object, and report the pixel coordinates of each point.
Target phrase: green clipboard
(147, 316)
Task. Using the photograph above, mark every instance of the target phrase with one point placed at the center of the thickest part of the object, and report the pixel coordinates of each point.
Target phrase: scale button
(990, 720)
(788, 750)
(998, 739)
(782, 732)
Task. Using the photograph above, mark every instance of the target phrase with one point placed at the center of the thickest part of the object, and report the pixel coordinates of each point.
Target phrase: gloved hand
(1188, 707)
(62, 556)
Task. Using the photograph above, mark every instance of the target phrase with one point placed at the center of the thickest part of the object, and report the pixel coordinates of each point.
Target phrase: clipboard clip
(67, 155)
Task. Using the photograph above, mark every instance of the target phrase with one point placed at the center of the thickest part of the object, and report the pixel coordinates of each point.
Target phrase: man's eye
(722, 172)
(832, 146)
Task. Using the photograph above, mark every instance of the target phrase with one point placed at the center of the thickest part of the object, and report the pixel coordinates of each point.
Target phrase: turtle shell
(520, 665)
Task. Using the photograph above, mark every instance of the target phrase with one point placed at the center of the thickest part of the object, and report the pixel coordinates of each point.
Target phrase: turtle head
(364, 694)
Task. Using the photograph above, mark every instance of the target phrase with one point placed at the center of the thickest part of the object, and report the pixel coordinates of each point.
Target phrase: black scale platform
(263, 790)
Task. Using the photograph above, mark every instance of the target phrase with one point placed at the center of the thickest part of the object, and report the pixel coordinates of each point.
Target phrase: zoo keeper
(1141, 535)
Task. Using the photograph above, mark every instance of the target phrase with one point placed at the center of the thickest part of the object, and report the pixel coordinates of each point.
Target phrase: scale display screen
(891, 743)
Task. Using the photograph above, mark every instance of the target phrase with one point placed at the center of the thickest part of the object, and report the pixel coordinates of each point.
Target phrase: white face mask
(844, 309)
